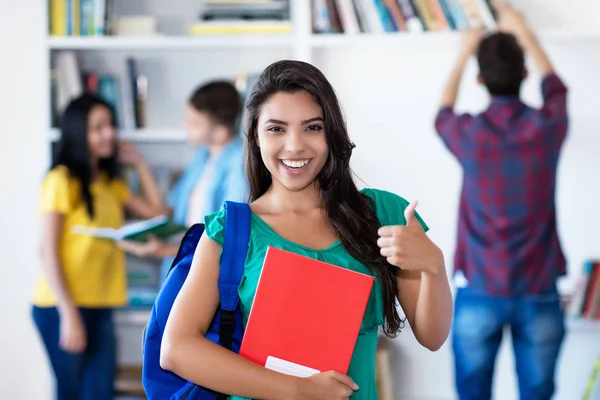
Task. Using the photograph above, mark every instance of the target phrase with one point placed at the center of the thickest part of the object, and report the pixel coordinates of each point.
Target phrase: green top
(390, 211)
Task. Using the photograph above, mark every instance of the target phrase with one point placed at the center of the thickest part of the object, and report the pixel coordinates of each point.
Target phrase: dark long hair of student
(72, 149)
(350, 212)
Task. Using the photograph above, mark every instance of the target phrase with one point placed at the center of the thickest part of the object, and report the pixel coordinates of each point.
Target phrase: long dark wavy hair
(351, 213)
(72, 149)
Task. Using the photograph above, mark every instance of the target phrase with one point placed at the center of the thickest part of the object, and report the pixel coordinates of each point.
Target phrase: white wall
(23, 369)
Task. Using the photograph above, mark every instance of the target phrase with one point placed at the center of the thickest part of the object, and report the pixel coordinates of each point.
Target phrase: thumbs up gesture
(408, 247)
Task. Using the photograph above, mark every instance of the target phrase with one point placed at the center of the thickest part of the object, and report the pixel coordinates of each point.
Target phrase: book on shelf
(140, 231)
(384, 16)
(243, 17)
(236, 27)
(585, 302)
(82, 17)
(128, 95)
(300, 323)
(592, 389)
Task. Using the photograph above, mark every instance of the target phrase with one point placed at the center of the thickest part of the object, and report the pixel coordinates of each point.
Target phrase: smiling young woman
(304, 200)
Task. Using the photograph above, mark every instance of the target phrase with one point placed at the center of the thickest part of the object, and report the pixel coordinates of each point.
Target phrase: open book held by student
(161, 227)
(306, 315)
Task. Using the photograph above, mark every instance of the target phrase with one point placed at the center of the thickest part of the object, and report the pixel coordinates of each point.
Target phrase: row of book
(127, 95)
(98, 18)
(243, 16)
(128, 98)
(586, 300)
(382, 16)
(82, 17)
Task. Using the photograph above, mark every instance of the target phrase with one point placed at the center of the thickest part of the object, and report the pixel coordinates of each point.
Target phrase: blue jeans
(537, 330)
(88, 375)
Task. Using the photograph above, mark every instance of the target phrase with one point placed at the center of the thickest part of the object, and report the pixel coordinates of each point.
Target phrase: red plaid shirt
(507, 238)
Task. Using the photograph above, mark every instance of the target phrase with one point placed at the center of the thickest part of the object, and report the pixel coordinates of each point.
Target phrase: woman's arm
(426, 299)
(151, 204)
(186, 352)
(423, 287)
(470, 41)
(72, 330)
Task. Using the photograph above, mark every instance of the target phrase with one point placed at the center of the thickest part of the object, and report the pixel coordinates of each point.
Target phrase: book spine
(425, 14)
(70, 17)
(448, 14)
(99, 17)
(593, 293)
(384, 16)
(76, 15)
(58, 17)
(471, 11)
(590, 290)
(334, 17)
(109, 91)
(485, 13)
(437, 15)
(460, 20)
(396, 15)
(321, 22)
(87, 17)
(361, 15)
(348, 17)
(413, 22)
(372, 14)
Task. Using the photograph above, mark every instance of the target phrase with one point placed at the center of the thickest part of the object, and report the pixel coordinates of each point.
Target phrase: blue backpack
(226, 328)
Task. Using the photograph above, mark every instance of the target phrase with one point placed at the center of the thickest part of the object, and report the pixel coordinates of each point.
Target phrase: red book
(306, 315)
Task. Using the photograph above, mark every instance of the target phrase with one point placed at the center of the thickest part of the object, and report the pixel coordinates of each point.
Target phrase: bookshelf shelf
(170, 42)
(340, 39)
(141, 135)
(134, 316)
(583, 325)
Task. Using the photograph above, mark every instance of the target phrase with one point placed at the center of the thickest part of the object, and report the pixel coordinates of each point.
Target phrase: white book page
(139, 226)
(118, 234)
(96, 232)
(289, 368)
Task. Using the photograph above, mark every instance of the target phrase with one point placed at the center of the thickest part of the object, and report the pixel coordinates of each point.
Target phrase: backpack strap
(233, 258)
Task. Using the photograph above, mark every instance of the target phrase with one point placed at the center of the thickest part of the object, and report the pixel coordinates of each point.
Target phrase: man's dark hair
(501, 64)
(221, 101)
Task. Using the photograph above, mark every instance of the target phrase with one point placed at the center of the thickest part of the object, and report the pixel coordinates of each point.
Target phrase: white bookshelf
(160, 42)
(581, 325)
(319, 41)
(300, 44)
(315, 41)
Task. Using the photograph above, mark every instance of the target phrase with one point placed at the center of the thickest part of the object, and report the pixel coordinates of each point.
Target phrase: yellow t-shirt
(94, 269)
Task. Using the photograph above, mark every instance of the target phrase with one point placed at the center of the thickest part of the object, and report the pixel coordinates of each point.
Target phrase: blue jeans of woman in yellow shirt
(88, 375)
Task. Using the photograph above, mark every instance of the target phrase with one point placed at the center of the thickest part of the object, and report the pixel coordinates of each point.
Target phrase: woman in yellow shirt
(83, 278)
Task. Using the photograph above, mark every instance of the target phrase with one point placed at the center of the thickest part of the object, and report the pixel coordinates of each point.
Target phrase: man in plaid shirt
(508, 248)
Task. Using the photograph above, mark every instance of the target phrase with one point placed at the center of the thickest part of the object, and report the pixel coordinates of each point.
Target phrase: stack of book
(382, 16)
(127, 96)
(242, 17)
(82, 17)
(586, 300)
